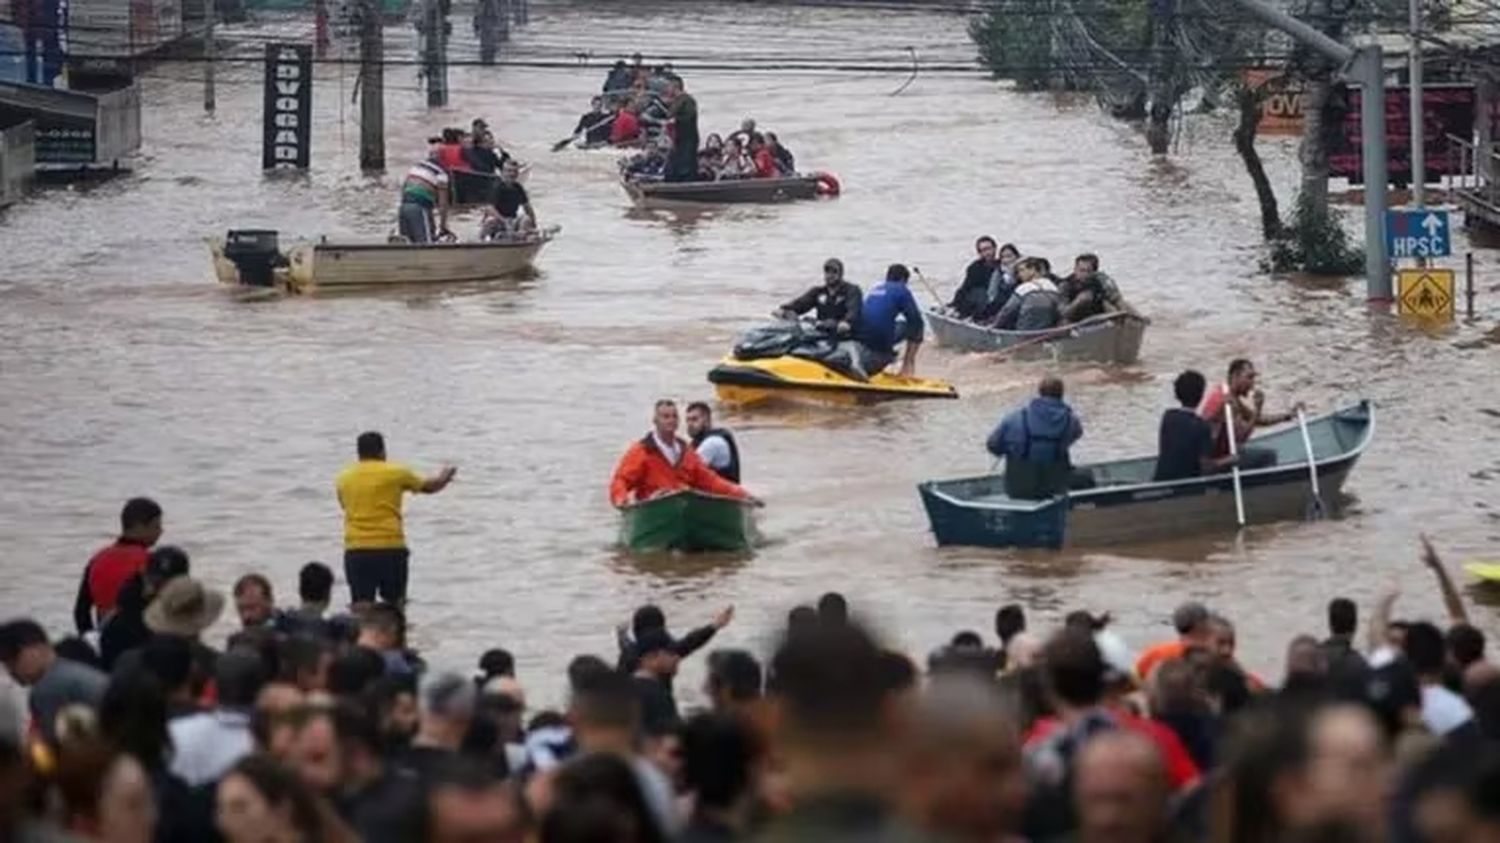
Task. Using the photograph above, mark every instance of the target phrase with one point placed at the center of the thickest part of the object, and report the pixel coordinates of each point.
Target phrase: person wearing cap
(1191, 621)
(370, 492)
(55, 683)
(126, 629)
(109, 569)
(447, 701)
(660, 463)
(657, 665)
(835, 304)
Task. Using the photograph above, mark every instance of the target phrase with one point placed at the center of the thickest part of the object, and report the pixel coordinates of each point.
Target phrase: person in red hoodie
(661, 463)
(764, 160)
(110, 568)
(627, 127)
(450, 153)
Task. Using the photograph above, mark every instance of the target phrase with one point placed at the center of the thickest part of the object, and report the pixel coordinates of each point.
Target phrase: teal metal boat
(689, 521)
(1126, 505)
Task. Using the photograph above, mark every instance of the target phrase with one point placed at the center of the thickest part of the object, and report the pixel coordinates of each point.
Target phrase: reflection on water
(126, 370)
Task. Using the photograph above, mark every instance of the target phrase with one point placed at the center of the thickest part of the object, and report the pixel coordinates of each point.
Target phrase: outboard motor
(255, 253)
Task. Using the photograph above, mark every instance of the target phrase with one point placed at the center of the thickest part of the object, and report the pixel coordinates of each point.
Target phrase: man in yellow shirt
(375, 553)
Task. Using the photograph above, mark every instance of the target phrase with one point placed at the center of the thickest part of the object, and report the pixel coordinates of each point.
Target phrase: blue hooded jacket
(1042, 432)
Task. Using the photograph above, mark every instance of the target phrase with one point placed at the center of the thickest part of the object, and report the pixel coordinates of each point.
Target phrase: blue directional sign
(1417, 233)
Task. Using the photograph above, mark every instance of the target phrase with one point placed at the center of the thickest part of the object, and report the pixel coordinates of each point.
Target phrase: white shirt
(715, 451)
(672, 451)
(1442, 710)
(206, 745)
(1040, 284)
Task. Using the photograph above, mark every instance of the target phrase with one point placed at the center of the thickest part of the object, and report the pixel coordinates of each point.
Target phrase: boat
(687, 520)
(738, 381)
(654, 193)
(1107, 338)
(1126, 505)
(253, 258)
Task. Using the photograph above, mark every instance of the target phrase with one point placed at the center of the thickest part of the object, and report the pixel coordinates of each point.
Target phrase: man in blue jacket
(890, 315)
(1034, 441)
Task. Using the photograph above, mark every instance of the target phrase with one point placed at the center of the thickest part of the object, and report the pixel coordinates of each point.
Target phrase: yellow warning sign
(1425, 292)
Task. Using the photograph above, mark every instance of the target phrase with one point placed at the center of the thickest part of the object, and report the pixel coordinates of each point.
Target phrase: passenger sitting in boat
(482, 156)
(595, 124)
(649, 163)
(627, 125)
(660, 464)
(619, 78)
(835, 304)
(763, 161)
(746, 132)
(1248, 408)
(786, 164)
(1034, 443)
(504, 219)
(1087, 292)
(1035, 305)
(424, 189)
(973, 296)
(714, 444)
(1185, 442)
(736, 164)
(451, 151)
(890, 315)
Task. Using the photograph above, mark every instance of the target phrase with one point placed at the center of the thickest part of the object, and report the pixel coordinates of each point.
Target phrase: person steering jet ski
(890, 315)
(835, 304)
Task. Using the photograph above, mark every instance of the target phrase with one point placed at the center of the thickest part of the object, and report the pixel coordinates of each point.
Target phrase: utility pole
(436, 54)
(1365, 66)
(210, 12)
(1418, 127)
(371, 87)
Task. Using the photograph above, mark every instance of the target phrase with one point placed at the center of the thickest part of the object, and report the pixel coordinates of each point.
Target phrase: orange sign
(1281, 110)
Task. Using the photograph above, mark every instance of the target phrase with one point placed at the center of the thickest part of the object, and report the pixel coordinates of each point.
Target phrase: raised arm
(438, 482)
(1380, 621)
(1456, 612)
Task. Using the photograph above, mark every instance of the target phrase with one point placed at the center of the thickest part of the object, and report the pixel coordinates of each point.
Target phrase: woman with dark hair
(133, 717)
(599, 797)
(106, 795)
(260, 801)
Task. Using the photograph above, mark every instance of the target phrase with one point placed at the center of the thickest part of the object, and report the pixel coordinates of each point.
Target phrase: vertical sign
(288, 118)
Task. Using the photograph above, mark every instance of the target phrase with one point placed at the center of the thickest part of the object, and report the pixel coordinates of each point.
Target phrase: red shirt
(110, 568)
(765, 164)
(1181, 769)
(451, 157)
(625, 129)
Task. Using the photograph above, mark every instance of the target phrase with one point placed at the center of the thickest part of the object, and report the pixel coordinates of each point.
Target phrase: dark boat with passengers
(1126, 505)
(652, 193)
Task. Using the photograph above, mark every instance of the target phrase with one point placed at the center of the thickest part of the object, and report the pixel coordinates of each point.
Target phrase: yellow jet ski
(786, 377)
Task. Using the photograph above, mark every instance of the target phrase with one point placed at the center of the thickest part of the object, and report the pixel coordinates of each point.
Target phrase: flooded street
(125, 370)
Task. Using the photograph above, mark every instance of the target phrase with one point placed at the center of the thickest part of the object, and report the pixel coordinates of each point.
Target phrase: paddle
(1314, 506)
(930, 289)
(558, 147)
(1234, 451)
(1063, 331)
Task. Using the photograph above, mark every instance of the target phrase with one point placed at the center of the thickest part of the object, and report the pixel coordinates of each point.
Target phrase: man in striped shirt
(425, 189)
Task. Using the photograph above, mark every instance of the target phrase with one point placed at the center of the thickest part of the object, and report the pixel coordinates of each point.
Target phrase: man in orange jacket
(661, 463)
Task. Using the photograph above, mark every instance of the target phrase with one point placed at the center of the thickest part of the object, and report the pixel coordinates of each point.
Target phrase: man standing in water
(660, 464)
(683, 165)
(375, 552)
(714, 444)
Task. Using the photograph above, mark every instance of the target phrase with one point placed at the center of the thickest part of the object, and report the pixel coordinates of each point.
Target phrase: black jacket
(839, 303)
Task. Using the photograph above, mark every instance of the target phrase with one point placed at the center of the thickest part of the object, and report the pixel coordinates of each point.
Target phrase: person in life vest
(714, 444)
(1034, 442)
(660, 464)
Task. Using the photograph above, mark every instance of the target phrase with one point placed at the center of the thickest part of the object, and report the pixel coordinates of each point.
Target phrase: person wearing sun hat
(185, 608)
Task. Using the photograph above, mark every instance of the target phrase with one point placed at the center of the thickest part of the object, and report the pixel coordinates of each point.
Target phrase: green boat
(689, 521)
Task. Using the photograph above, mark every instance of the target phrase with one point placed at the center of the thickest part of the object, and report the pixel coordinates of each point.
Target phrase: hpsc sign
(287, 134)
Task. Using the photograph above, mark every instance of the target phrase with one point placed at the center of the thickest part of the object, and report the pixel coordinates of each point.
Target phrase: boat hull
(654, 194)
(1116, 340)
(688, 521)
(1127, 507)
(310, 266)
(797, 379)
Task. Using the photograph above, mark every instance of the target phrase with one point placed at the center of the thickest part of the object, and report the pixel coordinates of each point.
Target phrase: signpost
(1417, 233)
(288, 117)
(1425, 293)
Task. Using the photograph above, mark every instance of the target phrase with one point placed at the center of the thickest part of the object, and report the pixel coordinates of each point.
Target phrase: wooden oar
(558, 147)
(937, 299)
(1314, 506)
(1234, 451)
(1063, 331)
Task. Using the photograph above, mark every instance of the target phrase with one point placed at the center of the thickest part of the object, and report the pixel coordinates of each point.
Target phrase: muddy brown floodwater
(124, 370)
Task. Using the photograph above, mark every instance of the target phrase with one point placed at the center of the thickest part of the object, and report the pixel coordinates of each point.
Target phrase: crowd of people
(318, 726)
(1001, 289)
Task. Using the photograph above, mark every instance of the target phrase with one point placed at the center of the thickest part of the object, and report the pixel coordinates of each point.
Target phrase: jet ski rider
(835, 304)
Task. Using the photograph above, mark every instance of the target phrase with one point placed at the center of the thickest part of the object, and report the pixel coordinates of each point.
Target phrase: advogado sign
(288, 115)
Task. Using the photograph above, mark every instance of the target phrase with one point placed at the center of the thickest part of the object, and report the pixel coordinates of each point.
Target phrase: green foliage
(1014, 41)
(1315, 243)
(1037, 43)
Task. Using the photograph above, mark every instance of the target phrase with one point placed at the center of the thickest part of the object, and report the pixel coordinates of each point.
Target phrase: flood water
(125, 370)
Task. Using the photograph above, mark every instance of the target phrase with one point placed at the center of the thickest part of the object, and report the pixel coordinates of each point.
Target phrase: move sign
(1427, 293)
(1417, 233)
(288, 115)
